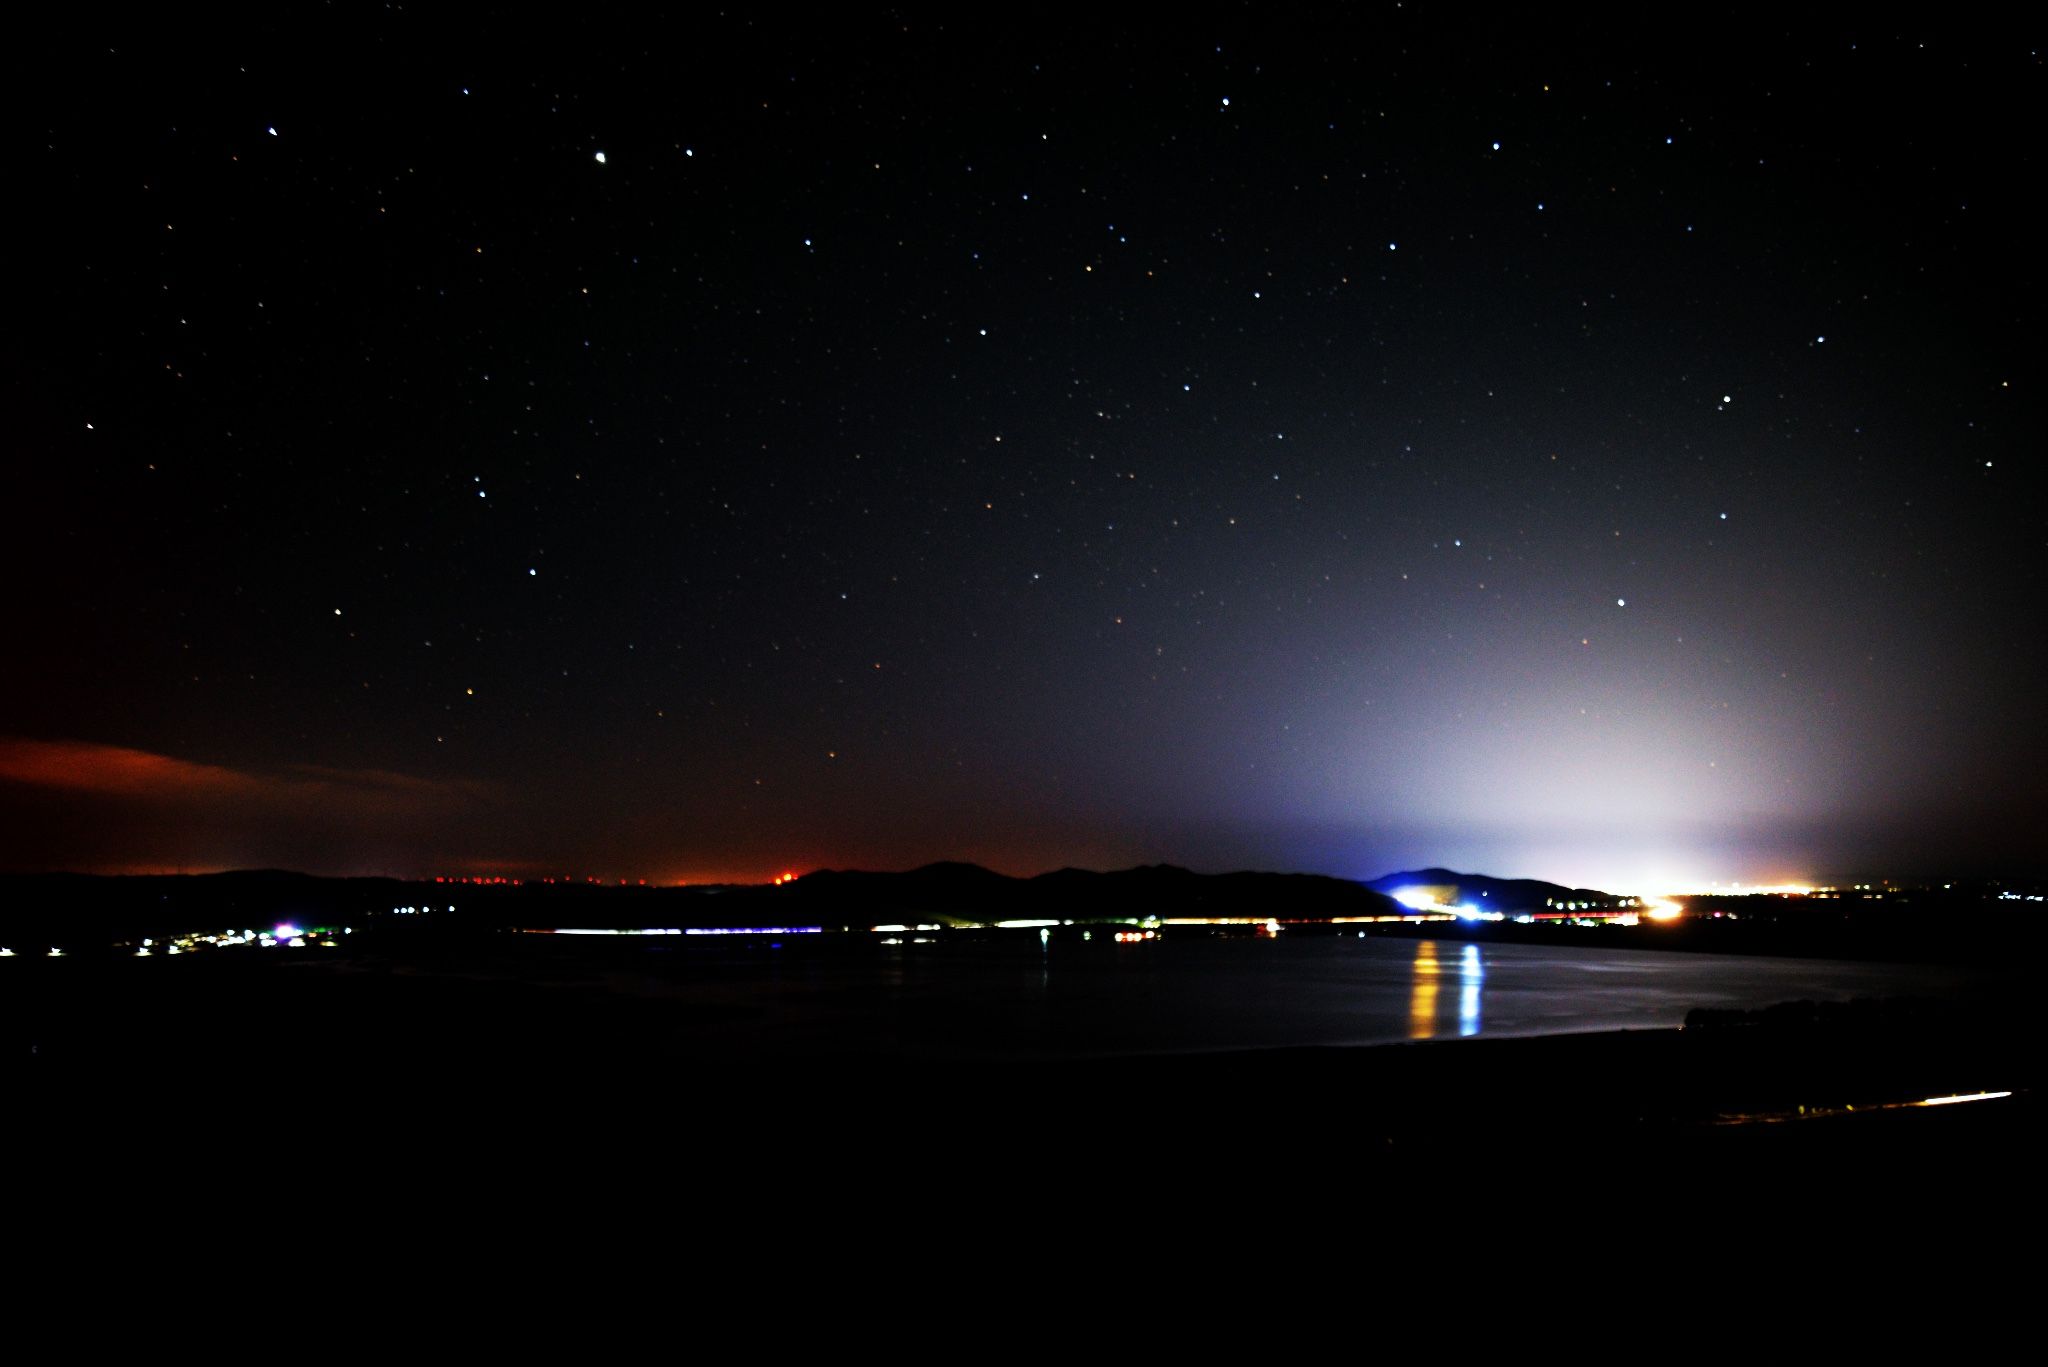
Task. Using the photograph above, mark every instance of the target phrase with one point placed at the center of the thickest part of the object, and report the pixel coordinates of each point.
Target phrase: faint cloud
(83, 766)
(119, 771)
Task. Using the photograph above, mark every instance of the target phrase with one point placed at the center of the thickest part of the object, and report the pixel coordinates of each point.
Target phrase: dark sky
(732, 445)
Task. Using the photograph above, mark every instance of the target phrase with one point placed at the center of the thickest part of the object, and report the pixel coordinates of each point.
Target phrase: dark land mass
(1509, 895)
(78, 912)
(432, 1070)
(84, 914)
(454, 1040)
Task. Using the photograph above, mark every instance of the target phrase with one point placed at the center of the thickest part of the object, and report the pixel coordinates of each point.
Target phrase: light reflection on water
(1422, 996)
(1471, 975)
(1422, 993)
(1182, 993)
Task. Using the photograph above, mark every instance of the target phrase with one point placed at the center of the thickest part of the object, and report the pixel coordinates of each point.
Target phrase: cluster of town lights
(285, 935)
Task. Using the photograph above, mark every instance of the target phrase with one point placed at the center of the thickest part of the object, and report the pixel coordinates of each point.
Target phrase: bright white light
(1967, 1096)
(600, 158)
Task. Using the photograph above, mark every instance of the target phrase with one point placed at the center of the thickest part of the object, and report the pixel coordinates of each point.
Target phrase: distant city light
(676, 930)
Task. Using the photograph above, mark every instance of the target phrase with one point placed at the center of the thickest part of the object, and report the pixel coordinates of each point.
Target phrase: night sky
(700, 450)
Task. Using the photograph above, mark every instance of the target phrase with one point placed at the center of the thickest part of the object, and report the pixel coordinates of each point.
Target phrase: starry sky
(1335, 441)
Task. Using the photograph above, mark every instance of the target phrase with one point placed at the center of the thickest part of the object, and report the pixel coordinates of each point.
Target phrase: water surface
(1010, 996)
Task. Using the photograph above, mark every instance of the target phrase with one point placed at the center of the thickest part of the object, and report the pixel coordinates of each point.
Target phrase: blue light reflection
(1471, 977)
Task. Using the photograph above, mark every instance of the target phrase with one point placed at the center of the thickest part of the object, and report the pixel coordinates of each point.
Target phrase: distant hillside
(1509, 895)
(967, 893)
(73, 909)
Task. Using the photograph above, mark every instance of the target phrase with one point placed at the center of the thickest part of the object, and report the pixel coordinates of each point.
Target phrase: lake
(960, 996)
